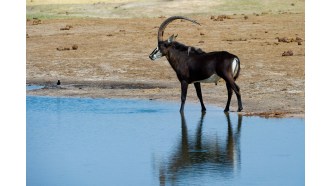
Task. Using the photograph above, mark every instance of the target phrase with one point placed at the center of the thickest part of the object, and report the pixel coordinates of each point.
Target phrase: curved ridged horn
(168, 21)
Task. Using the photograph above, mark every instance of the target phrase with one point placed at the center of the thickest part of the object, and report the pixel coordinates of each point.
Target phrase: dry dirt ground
(111, 60)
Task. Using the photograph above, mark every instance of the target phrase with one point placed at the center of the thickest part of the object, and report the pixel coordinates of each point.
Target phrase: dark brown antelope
(195, 66)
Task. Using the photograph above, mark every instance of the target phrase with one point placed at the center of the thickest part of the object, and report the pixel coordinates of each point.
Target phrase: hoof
(239, 109)
(226, 110)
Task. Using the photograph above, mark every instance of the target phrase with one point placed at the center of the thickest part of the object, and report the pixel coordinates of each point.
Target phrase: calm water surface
(84, 141)
(34, 87)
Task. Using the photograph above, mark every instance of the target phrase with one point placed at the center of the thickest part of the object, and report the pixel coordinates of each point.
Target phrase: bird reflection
(200, 154)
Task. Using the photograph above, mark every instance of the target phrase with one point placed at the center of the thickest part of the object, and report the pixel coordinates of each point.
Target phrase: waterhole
(84, 141)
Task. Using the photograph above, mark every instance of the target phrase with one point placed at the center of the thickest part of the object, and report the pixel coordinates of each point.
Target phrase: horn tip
(197, 23)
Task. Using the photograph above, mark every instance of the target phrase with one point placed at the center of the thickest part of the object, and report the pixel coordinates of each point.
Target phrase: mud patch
(117, 85)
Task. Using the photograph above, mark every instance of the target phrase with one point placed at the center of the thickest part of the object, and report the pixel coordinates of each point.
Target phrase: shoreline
(109, 91)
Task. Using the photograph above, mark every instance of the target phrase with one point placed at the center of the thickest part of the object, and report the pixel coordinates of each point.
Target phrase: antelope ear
(172, 38)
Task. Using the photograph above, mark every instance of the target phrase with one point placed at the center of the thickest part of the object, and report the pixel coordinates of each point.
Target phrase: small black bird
(58, 82)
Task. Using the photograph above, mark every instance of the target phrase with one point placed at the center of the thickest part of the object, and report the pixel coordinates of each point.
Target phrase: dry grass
(151, 8)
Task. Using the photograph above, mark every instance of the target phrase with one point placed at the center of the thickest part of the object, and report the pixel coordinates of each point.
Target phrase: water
(84, 141)
(34, 87)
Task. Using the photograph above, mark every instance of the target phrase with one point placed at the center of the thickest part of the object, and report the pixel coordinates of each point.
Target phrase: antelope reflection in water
(204, 155)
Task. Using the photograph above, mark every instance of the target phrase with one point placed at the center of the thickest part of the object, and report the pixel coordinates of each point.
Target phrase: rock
(74, 47)
(220, 18)
(298, 39)
(284, 39)
(36, 21)
(67, 27)
(288, 53)
(62, 48)
(289, 40)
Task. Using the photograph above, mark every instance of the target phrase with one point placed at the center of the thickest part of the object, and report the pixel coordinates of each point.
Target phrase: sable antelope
(195, 66)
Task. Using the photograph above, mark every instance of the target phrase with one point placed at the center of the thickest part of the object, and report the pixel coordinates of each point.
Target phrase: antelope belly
(212, 79)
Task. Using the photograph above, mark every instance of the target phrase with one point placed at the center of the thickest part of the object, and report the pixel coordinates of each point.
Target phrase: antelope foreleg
(184, 88)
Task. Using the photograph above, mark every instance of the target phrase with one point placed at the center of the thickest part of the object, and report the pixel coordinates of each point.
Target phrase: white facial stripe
(156, 50)
(156, 54)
